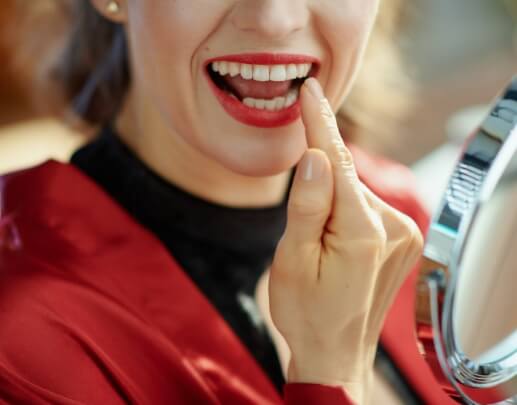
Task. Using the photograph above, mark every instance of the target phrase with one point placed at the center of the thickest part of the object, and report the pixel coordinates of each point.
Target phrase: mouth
(260, 89)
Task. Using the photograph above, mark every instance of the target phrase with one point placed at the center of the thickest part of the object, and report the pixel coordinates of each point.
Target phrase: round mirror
(467, 291)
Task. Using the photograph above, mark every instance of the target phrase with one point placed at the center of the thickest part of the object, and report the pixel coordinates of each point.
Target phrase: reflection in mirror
(485, 312)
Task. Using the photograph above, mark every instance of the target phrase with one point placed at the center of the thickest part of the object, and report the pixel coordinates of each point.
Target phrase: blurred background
(458, 54)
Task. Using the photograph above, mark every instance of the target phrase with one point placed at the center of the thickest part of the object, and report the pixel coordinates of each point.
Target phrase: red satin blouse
(94, 310)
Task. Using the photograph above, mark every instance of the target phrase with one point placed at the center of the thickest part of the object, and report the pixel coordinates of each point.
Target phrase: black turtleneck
(224, 250)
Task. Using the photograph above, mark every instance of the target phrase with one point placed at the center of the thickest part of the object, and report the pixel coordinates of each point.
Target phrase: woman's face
(173, 41)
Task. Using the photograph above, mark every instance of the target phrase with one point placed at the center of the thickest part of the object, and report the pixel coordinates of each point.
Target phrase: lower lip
(254, 116)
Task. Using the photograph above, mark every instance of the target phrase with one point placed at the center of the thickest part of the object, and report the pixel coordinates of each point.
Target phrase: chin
(262, 164)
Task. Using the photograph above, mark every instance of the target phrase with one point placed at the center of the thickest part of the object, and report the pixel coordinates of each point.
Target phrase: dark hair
(93, 69)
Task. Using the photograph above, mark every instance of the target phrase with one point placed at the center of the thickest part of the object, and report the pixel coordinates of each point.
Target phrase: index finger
(351, 208)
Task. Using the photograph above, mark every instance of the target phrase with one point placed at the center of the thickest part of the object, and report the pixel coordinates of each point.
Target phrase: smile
(260, 89)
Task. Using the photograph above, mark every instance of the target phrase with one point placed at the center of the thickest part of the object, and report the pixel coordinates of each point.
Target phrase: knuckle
(401, 224)
(327, 114)
(378, 238)
(405, 236)
(411, 234)
(373, 242)
(417, 241)
(378, 232)
(341, 155)
(339, 151)
(381, 236)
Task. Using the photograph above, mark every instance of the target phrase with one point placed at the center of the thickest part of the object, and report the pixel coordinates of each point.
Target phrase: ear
(113, 10)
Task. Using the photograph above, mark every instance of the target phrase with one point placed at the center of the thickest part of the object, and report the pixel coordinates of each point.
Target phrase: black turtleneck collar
(161, 205)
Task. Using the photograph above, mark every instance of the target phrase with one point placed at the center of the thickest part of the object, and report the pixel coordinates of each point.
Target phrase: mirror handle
(431, 289)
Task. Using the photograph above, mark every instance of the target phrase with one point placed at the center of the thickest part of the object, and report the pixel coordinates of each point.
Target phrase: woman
(132, 274)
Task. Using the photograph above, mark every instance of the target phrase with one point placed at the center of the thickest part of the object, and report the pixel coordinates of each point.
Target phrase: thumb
(310, 199)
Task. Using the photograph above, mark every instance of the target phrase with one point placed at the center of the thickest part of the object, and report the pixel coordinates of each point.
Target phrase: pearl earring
(113, 7)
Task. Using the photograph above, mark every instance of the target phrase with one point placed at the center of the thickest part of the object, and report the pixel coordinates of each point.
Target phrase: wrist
(350, 371)
(317, 372)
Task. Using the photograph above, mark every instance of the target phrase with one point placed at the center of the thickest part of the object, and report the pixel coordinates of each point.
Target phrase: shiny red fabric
(94, 310)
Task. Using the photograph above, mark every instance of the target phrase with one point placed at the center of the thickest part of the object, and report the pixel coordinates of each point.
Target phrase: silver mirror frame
(482, 163)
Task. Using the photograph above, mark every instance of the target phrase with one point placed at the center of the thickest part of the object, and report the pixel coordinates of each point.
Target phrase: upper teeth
(262, 73)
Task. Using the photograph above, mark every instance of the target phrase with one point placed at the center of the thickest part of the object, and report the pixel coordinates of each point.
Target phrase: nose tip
(270, 18)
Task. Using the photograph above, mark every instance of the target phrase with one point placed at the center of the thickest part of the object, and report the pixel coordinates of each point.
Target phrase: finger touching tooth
(315, 88)
(323, 133)
(320, 123)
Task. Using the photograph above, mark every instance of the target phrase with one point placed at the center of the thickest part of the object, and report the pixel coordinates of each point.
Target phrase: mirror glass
(485, 311)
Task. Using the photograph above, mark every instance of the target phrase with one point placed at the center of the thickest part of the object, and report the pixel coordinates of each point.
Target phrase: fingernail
(315, 88)
(311, 167)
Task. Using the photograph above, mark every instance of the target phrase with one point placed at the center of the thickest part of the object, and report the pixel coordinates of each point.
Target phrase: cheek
(164, 36)
(170, 28)
(345, 26)
(348, 16)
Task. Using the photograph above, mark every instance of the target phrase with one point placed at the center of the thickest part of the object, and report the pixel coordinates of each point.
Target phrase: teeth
(262, 73)
(234, 69)
(223, 68)
(250, 102)
(246, 71)
(260, 103)
(291, 98)
(278, 103)
(301, 70)
(270, 105)
(278, 73)
(292, 71)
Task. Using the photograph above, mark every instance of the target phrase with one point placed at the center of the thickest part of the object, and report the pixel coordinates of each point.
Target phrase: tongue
(252, 88)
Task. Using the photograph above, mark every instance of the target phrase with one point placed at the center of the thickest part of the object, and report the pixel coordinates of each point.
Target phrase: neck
(169, 155)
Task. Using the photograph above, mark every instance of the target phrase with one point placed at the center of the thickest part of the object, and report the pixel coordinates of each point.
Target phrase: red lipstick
(254, 116)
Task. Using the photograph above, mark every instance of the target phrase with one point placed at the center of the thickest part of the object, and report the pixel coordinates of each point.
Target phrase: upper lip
(266, 58)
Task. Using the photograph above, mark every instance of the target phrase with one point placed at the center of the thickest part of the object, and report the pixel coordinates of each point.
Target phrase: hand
(340, 262)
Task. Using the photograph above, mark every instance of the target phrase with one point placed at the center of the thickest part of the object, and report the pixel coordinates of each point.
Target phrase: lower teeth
(276, 104)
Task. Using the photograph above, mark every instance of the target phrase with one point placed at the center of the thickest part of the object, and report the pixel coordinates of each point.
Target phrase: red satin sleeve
(315, 394)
